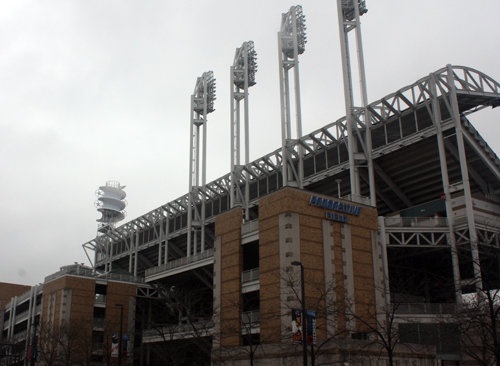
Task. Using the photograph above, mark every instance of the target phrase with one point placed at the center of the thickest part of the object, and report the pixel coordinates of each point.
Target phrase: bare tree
(322, 300)
(378, 324)
(181, 318)
(246, 329)
(66, 343)
(49, 344)
(478, 317)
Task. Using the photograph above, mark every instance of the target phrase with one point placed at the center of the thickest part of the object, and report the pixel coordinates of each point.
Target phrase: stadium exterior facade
(437, 184)
(395, 207)
(434, 230)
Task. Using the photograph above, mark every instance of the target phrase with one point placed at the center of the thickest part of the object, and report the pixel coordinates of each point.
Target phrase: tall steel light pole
(120, 342)
(304, 318)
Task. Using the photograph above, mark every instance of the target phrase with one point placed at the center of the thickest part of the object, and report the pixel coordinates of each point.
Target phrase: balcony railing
(416, 222)
(249, 227)
(97, 348)
(424, 308)
(357, 198)
(180, 262)
(250, 318)
(18, 337)
(88, 272)
(100, 299)
(250, 275)
(99, 322)
(202, 327)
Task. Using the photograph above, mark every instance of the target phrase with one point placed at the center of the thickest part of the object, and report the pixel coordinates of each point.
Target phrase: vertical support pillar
(201, 104)
(136, 254)
(349, 13)
(13, 306)
(291, 43)
(436, 119)
(235, 138)
(193, 171)
(330, 280)
(242, 77)
(131, 252)
(160, 244)
(167, 231)
(348, 272)
(469, 209)
(385, 261)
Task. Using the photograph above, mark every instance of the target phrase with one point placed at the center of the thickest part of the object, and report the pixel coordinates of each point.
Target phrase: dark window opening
(251, 255)
(100, 289)
(251, 301)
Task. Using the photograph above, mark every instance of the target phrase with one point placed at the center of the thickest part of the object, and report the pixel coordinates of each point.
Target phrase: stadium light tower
(291, 44)
(111, 204)
(242, 77)
(202, 103)
(358, 117)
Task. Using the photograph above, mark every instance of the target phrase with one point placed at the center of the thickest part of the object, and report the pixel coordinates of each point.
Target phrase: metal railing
(180, 262)
(250, 275)
(416, 222)
(424, 308)
(357, 198)
(250, 318)
(88, 272)
(99, 322)
(97, 348)
(180, 330)
(250, 226)
(20, 336)
(100, 299)
(22, 315)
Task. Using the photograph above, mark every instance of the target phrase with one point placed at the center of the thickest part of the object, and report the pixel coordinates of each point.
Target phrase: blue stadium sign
(335, 206)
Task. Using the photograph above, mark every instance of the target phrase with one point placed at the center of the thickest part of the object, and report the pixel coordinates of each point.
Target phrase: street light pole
(120, 342)
(304, 314)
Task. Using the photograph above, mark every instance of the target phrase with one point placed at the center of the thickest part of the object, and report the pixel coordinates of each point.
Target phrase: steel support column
(436, 119)
(469, 209)
(291, 43)
(349, 13)
(242, 75)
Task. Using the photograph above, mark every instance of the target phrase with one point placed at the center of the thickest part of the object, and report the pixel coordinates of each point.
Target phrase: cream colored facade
(337, 243)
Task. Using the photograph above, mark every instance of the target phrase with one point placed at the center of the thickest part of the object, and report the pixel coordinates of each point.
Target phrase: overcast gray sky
(92, 91)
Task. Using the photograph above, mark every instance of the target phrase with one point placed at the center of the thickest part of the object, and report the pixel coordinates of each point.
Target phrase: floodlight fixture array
(293, 25)
(348, 8)
(245, 59)
(204, 93)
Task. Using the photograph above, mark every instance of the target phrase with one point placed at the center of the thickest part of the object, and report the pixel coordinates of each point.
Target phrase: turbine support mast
(202, 103)
(242, 76)
(358, 129)
(291, 44)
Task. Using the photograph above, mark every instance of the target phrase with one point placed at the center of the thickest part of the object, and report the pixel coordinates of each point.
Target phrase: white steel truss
(349, 12)
(202, 103)
(242, 76)
(474, 91)
(291, 44)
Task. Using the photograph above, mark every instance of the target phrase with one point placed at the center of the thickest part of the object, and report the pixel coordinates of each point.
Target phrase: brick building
(74, 307)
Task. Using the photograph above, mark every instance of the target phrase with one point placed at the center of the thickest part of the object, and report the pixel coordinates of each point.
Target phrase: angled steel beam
(395, 188)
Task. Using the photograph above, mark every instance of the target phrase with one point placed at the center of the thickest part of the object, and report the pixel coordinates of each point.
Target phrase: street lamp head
(296, 263)
(121, 305)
